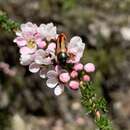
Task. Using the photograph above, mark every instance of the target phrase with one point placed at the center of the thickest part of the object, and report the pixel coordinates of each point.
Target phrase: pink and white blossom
(28, 38)
(75, 49)
(47, 31)
(38, 50)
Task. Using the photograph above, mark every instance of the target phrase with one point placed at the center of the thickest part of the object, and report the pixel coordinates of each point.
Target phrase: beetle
(61, 50)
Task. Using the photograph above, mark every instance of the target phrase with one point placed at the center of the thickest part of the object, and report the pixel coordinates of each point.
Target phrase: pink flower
(64, 77)
(78, 67)
(28, 39)
(89, 67)
(47, 31)
(74, 74)
(75, 49)
(74, 84)
(86, 78)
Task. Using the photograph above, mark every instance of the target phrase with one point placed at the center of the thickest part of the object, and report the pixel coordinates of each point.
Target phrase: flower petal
(58, 90)
(42, 60)
(51, 83)
(34, 67)
(40, 52)
(43, 72)
(51, 47)
(26, 59)
(47, 31)
(26, 50)
(18, 33)
(29, 28)
(52, 74)
(20, 41)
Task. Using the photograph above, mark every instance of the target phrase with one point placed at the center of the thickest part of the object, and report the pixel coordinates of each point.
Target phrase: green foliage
(103, 123)
(101, 104)
(95, 106)
(7, 24)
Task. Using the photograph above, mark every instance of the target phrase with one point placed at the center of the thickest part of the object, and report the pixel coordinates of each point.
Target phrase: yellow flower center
(31, 44)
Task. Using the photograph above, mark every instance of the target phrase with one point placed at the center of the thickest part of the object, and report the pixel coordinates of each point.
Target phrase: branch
(95, 106)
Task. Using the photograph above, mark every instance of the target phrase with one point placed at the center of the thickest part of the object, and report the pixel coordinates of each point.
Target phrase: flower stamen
(31, 44)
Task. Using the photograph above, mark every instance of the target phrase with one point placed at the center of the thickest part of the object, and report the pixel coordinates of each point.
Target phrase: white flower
(28, 39)
(75, 49)
(47, 31)
(53, 82)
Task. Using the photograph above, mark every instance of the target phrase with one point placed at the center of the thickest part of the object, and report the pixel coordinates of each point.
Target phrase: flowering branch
(46, 52)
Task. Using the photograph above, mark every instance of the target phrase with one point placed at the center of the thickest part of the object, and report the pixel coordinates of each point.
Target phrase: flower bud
(74, 74)
(89, 67)
(64, 77)
(78, 67)
(74, 85)
(86, 78)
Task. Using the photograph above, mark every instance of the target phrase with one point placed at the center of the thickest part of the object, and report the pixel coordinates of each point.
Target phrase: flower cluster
(38, 46)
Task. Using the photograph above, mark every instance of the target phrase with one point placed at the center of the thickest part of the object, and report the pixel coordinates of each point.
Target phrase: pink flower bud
(42, 44)
(74, 74)
(74, 85)
(89, 67)
(78, 67)
(86, 78)
(64, 77)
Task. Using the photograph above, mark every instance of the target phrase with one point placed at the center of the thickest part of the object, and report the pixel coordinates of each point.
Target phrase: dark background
(27, 104)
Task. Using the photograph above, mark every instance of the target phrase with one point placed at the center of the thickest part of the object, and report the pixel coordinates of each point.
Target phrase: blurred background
(27, 104)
